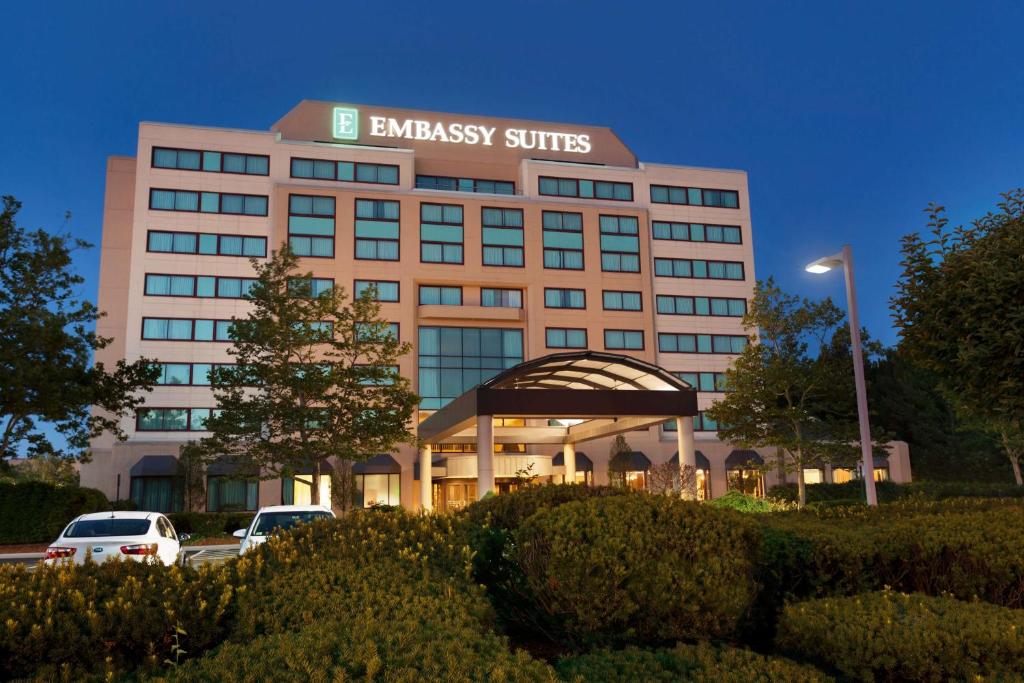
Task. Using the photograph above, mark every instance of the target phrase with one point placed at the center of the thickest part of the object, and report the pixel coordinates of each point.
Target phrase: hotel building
(491, 242)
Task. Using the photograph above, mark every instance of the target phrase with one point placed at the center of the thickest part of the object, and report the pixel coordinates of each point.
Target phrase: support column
(569, 458)
(687, 458)
(426, 479)
(484, 455)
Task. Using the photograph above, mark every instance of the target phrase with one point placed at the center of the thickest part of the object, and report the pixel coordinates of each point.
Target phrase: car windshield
(270, 521)
(96, 528)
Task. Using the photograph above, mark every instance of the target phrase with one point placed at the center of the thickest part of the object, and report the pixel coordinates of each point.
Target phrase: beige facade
(309, 132)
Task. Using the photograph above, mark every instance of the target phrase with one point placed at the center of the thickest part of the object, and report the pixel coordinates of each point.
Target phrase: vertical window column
(377, 230)
(441, 233)
(620, 244)
(311, 225)
(502, 237)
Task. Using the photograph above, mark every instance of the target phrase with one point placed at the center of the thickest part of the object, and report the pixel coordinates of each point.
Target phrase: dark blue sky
(848, 117)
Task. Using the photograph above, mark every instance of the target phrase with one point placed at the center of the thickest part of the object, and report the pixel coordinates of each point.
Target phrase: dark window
(613, 300)
(620, 244)
(585, 189)
(387, 290)
(491, 297)
(701, 343)
(433, 182)
(565, 338)
(694, 196)
(564, 298)
(166, 242)
(502, 237)
(214, 162)
(701, 305)
(311, 225)
(696, 232)
(226, 494)
(208, 202)
(624, 340)
(344, 171)
(698, 269)
(441, 233)
(377, 229)
(433, 295)
(563, 240)
(455, 359)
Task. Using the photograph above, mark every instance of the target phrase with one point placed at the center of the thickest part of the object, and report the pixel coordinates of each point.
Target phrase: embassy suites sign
(346, 127)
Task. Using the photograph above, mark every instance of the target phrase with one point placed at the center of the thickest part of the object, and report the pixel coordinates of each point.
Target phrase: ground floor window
(814, 475)
(881, 474)
(746, 481)
(634, 480)
(841, 475)
(231, 495)
(702, 485)
(586, 478)
(377, 489)
(454, 495)
(298, 490)
(156, 494)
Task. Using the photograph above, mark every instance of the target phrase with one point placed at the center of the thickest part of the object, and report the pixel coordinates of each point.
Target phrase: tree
(783, 396)
(46, 349)
(959, 308)
(315, 377)
(191, 471)
(618, 459)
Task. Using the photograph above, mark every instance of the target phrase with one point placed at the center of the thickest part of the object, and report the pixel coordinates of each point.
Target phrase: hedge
(36, 512)
(210, 523)
(967, 548)
(685, 663)
(889, 636)
(889, 491)
(65, 622)
(635, 568)
(374, 596)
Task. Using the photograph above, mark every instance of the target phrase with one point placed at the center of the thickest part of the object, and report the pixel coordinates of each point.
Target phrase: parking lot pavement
(193, 555)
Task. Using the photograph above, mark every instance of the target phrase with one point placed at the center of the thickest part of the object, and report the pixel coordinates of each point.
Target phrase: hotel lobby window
(749, 481)
(377, 489)
(224, 494)
(298, 490)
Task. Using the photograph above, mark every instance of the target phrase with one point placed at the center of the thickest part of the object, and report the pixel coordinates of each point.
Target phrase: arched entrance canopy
(564, 399)
(597, 394)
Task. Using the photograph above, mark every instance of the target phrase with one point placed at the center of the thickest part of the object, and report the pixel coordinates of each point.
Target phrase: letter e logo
(346, 123)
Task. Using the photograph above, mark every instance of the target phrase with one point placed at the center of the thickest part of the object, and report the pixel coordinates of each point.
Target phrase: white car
(278, 518)
(99, 536)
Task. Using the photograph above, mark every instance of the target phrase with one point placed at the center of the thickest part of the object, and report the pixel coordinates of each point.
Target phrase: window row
(433, 182)
(167, 242)
(344, 171)
(701, 305)
(698, 269)
(202, 286)
(172, 419)
(206, 160)
(701, 423)
(701, 343)
(208, 202)
(696, 232)
(585, 189)
(186, 329)
(187, 374)
(694, 196)
(703, 381)
(576, 338)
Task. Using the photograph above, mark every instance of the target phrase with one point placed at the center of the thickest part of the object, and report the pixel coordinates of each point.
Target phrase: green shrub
(65, 622)
(685, 664)
(635, 568)
(967, 548)
(889, 636)
(742, 502)
(210, 523)
(508, 511)
(889, 491)
(36, 512)
(371, 597)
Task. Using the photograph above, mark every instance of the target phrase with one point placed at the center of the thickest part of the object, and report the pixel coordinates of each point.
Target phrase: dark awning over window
(583, 463)
(702, 462)
(325, 469)
(155, 466)
(378, 464)
(435, 461)
(742, 457)
(228, 468)
(634, 461)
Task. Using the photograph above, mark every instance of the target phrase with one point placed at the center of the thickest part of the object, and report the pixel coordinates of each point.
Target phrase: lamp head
(825, 264)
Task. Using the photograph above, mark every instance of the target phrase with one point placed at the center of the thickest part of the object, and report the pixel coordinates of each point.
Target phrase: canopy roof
(702, 460)
(596, 394)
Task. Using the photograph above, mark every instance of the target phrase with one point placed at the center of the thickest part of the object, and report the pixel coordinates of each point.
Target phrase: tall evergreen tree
(46, 346)
(315, 377)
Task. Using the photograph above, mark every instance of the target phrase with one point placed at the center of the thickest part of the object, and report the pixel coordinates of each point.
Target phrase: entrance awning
(583, 463)
(378, 464)
(740, 458)
(702, 461)
(155, 466)
(596, 394)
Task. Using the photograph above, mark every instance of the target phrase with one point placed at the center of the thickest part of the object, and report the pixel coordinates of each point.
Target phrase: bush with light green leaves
(888, 636)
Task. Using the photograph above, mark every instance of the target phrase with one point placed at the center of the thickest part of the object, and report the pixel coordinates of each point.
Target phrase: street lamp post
(823, 265)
